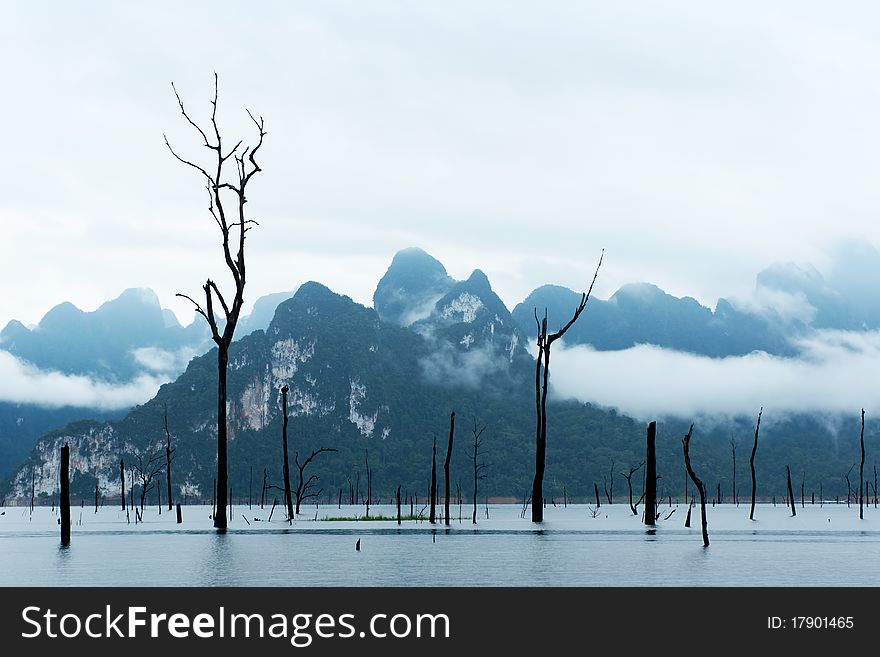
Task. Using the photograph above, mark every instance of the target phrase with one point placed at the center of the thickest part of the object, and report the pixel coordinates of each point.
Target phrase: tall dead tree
(651, 476)
(288, 500)
(304, 488)
(122, 480)
(169, 452)
(790, 492)
(233, 224)
(862, 469)
(369, 498)
(433, 517)
(542, 382)
(733, 452)
(64, 497)
(752, 464)
(446, 465)
(628, 477)
(699, 484)
(479, 467)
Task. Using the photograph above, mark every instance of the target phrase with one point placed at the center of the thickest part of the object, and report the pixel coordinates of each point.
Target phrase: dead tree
(64, 496)
(596, 490)
(96, 495)
(699, 484)
(446, 465)
(849, 484)
(733, 451)
(651, 476)
(542, 381)
(609, 491)
(790, 492)
(398, 505)
(147, 467)
(433, 517)
(304, 489)
(288, 501)
(628, 477)
(233, 225)
(752, 464)
(479, 467)
(122, 480)
(169, 452)
(263, 491)
(862, 469)
(369, 498)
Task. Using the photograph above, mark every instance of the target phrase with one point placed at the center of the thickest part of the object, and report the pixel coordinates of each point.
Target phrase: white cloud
(163, 361)
(21, 382)
(836, 373)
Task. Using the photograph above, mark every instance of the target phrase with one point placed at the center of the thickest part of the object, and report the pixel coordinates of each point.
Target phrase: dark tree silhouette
(64, 495)
(147, 467)
(651, 476)
(433, 517)
(233, 226)
(479, 467)
(169, 456)
(542, 381)
(304, 486)
(446, 465)
(862, 469)
(122, 480)
(790, 492)
(752, 464)
(686, 441)
(733, 452)
(369, 498)
(288, 500)
(628, 477)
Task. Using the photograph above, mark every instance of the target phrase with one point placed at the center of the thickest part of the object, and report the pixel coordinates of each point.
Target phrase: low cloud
(23, 383)
(163, 361)
(468, 368)
(836, 372)
(776, 304)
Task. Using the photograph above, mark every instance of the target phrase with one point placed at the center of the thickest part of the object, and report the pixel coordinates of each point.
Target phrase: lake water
(822, 546)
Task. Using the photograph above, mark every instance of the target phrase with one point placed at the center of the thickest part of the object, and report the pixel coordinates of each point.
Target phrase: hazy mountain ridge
(365, 379)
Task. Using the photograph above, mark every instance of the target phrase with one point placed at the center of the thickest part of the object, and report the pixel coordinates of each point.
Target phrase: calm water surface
(821, 546)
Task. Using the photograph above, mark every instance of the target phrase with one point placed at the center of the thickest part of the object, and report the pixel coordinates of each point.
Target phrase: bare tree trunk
(596, 490)
(121, 480)
(699, 484)
(733, 450)
(34, 489)
(398, 505)
(168, 453)
(222, 476)
(752, 464)
(64, 499)
(288, 500)
(433, 517)
(545, 341)
(790, 492)
(651, 477)
(862, 469)
(263, 491)
(446, 465)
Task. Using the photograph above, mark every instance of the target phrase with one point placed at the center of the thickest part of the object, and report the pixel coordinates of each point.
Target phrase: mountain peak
(414, 282)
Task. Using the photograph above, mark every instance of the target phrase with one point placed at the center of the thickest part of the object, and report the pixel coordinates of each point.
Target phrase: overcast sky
(697, 142)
